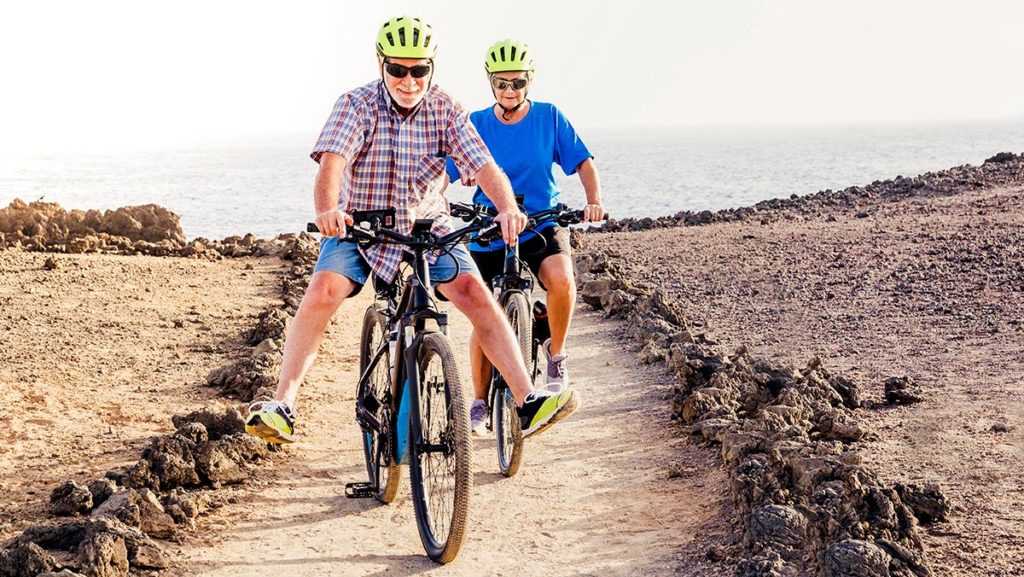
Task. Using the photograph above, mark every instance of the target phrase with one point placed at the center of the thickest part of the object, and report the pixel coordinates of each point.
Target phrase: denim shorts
(344, 258)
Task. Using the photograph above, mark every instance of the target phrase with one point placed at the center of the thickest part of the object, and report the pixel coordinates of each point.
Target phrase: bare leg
(557, 275)
(481, 367)
(326, 292)
(471, 297)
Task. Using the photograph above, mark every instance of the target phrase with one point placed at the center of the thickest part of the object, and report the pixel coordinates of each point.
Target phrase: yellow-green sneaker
(271, 421)
(543, 408)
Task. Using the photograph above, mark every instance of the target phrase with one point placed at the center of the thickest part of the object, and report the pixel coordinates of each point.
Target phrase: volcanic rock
(70, 498)
(902, 391)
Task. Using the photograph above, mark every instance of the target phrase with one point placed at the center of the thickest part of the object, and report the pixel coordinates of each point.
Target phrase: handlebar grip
(489, 232)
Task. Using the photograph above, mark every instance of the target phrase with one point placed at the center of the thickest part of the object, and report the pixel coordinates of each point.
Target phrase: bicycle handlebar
(561, 213)
(373, 233)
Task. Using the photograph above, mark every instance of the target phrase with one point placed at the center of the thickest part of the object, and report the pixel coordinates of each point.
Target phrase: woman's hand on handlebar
(512, 222)
(333, 222)
(593, 213)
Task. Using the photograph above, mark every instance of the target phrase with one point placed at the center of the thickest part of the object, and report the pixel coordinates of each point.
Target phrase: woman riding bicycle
(526, 138)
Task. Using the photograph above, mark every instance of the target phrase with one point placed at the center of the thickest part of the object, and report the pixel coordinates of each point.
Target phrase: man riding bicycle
(384, 146)
(526, 138)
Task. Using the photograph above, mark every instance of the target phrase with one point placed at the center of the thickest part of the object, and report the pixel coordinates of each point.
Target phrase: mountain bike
(513, 290)
(410, 405)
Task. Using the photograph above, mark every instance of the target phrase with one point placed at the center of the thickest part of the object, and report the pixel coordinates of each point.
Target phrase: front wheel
(506, 418)
(441, 451)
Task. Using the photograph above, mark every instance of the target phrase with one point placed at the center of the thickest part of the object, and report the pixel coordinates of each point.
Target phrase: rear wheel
(507, 426)
(441, 452)
(378, 447)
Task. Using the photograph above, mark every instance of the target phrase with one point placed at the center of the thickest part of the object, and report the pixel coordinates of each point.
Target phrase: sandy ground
(594, 496)
(98, 353)
(932, 288)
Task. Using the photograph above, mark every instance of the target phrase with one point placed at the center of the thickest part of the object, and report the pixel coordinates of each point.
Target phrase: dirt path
(593, 498)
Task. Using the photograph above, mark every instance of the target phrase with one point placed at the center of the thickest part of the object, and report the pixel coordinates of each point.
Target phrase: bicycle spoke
(438, 464)
(376, 406)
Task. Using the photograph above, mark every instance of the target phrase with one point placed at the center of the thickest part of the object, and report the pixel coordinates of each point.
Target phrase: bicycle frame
(407, 317)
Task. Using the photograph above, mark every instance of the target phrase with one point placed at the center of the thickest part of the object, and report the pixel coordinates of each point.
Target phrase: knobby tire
(507, 425)
(441, 481)
(378, 448)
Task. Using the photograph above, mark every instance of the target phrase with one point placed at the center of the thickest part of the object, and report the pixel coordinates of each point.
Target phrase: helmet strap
(506, 113)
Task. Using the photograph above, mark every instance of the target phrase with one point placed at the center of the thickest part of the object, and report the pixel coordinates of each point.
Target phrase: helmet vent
(512, 55)
(503, 53)
(401, 36)
(415, 36)
(523, 56)
(391, 39)
(426, 42)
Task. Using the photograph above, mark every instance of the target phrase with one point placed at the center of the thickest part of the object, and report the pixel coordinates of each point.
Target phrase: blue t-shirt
(527, 151)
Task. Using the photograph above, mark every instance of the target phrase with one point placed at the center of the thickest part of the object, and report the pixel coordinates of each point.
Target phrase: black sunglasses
(399, 71)
(502, 83)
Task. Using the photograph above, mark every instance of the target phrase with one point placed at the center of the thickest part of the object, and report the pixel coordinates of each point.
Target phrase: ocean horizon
(266, 188)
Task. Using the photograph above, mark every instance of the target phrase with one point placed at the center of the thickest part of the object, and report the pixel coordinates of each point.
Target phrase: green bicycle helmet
(406, 37)
(508, 56)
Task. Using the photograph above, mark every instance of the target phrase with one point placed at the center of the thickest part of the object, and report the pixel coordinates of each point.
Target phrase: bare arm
(329, 218)
(592, 186)
(496, 186)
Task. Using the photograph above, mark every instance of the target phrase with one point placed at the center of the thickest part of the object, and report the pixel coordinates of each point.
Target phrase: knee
(466, 290)
(561, 281)
(326, 292)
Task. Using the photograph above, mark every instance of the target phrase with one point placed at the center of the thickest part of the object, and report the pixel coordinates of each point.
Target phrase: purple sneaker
(556, 378)
(478, 417)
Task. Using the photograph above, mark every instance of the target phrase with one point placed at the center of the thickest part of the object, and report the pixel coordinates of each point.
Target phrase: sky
(120, 75)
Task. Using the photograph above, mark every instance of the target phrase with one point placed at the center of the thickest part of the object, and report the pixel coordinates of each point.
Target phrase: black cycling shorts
(533, 252)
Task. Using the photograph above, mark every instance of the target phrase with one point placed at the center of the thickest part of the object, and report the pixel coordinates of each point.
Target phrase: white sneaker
(478, 417)
(553, 388)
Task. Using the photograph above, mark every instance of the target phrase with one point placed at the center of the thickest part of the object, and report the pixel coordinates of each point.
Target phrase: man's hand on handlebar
(512, 222)
(593, 213)
(333, 223)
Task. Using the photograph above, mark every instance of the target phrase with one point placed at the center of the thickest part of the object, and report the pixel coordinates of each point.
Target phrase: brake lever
(489, 233)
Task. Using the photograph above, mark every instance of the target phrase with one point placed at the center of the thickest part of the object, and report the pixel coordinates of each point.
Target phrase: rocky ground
(618, 490)
(847, 367)
(927, 289)
(99, 352)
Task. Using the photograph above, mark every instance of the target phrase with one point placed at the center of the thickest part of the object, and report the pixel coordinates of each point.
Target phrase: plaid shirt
(396, 162)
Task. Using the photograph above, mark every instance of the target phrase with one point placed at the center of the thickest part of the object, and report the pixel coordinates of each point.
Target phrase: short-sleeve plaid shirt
(398, 162)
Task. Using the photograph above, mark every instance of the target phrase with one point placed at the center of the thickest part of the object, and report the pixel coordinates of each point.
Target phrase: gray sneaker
(556, 379)
(478, 417)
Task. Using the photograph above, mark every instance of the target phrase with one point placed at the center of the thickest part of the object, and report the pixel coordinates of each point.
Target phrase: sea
(266, 188)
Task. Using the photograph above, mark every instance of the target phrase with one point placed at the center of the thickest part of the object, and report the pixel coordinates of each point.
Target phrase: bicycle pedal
(360, 491)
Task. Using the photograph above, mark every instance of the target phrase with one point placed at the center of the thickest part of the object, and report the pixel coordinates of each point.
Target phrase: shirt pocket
(429, 176)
